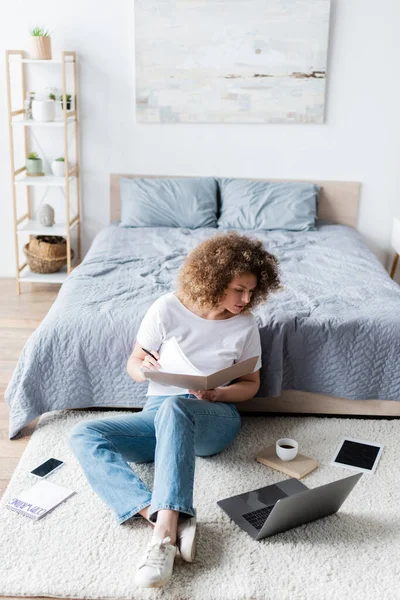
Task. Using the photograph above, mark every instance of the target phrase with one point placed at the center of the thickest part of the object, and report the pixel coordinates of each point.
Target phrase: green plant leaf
(40, 32)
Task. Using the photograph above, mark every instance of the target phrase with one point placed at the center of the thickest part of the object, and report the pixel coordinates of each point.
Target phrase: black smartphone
(47, 467)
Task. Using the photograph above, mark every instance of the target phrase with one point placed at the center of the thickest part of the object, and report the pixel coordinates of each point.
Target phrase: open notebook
(38, 500)
(176, 369)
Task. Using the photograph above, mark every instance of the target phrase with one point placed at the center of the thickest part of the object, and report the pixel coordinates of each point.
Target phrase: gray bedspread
(335, 329)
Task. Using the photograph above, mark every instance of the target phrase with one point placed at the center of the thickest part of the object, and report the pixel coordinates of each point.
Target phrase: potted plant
(41, 43)
(44, 110)
(34, 165)
(67, 99)
(58, 167)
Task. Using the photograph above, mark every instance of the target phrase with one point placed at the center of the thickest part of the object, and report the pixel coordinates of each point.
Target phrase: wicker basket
(47, 253)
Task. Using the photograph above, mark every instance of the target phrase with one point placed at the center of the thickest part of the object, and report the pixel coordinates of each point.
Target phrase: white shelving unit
(31, 123)
(25, 224)
(46, 180)
(51, 61)
(32, 227)
(27, 275)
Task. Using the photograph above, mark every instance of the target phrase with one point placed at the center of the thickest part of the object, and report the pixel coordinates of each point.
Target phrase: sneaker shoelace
(155, 555)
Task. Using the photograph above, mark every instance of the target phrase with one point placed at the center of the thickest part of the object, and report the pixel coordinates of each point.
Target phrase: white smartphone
(49, 466)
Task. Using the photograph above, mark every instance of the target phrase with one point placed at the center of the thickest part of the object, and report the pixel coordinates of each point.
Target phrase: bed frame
(338, 203)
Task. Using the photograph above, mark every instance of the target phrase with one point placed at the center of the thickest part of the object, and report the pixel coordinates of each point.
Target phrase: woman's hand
(149, 363)
(210, 395)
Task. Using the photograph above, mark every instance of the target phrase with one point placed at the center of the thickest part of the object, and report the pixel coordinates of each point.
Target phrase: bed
(330, 340)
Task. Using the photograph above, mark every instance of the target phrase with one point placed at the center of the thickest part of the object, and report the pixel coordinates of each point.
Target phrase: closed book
(38, 500)
(298, 467)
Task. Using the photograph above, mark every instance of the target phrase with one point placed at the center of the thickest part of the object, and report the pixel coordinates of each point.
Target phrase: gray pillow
(247, 204)
(168, 202)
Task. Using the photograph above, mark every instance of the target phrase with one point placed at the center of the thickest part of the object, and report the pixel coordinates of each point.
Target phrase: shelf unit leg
(79, 239)
(394, 265)
(11, 133)
(77, 172)
(64, 86)
(26, 147)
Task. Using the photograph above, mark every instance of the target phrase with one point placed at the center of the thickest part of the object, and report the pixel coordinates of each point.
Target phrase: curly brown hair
(213, 264)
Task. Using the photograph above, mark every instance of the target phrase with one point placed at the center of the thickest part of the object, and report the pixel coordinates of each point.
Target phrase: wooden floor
(19, 317)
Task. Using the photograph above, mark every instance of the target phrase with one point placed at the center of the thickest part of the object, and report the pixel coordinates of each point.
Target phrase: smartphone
(47, 467)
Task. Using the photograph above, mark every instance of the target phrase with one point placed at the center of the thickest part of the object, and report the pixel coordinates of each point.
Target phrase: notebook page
(174, 360)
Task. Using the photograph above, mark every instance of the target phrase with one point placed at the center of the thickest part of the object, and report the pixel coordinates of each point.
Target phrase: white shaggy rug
(80, 551)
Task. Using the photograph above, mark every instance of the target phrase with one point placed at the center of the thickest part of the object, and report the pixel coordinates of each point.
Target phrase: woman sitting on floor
(210, 316)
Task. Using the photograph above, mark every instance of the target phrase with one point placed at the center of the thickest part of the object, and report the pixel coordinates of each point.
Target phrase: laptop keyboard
(258, 517)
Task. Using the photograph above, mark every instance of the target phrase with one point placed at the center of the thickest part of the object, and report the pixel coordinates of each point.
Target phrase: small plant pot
(68, 103)
(43, 110)
(41, 47)
(34, 166)
(58, 168)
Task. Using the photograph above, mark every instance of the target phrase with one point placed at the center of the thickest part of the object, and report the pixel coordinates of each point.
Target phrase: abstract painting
(231, 61)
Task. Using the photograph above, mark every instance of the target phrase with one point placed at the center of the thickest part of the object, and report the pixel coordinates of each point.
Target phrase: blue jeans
(171, 431)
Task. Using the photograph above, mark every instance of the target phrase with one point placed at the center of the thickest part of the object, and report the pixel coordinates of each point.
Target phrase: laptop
(284, 505)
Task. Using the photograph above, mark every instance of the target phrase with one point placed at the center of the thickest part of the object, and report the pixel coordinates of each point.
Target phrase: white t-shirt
(209, 344)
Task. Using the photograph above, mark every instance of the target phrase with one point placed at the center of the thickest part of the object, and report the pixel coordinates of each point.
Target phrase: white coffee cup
(287, 453)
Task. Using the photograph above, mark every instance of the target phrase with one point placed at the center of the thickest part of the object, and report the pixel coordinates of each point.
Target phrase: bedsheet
(334, 329)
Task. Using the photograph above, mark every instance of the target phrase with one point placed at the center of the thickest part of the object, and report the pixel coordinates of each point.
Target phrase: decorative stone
(46, 215)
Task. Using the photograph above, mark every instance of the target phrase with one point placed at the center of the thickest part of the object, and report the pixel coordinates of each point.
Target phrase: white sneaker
(186, 538)
(155, 570)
